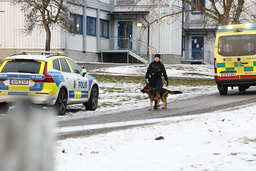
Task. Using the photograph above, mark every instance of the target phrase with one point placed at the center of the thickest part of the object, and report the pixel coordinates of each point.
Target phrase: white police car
(54, 80)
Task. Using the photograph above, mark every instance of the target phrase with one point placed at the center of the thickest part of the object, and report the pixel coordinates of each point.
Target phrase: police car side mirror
(84, 72)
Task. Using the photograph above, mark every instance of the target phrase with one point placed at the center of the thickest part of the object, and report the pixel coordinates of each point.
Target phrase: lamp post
(158, 26)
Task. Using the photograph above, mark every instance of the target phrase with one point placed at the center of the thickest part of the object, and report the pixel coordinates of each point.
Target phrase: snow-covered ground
(124, 93)
(221, 140)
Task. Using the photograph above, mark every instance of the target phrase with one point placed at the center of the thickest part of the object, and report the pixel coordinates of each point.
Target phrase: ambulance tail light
(215, 66)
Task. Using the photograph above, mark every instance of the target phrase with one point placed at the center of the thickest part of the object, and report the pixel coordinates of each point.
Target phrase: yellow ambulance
(235, 57)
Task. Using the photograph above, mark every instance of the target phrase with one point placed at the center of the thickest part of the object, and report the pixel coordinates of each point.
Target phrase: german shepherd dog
(157, 95)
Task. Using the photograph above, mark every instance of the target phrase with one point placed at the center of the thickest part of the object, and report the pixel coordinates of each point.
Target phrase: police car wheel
(61, 102)
(4, 107)
(93, 101)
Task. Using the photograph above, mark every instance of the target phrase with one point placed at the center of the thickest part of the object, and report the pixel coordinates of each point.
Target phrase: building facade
(106, 31)
(118, 31)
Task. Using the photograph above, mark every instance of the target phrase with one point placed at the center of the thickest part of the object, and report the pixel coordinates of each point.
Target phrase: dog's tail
(174, 92)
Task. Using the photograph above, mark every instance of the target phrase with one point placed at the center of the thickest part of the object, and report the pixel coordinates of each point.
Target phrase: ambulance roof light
(226, 27)
(229, 26)
(238, 26)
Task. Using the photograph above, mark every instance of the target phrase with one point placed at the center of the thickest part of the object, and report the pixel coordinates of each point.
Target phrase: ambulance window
(64, 65)
(56, 64)
(237, 45)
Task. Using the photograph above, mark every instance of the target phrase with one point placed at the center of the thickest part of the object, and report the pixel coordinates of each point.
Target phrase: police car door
(81, 84)
(70, 79)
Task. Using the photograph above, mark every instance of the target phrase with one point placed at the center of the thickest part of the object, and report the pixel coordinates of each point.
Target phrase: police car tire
(93, 101)
(4, 107)
(61, 102)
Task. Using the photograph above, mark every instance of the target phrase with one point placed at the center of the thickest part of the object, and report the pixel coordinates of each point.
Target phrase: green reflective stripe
(233, 30)
(230, 69)
(237, 64)
(220, 65)
(248, 69)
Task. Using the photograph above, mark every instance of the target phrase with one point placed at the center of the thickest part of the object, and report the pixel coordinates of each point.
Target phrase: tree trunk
(48, 38)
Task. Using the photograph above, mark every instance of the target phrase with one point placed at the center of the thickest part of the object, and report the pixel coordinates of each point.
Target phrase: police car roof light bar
(42, 52)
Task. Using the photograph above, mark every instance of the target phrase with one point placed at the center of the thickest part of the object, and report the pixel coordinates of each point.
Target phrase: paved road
(197, 105)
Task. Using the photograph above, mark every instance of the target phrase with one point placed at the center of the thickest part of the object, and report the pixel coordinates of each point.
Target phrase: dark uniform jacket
(156, 69)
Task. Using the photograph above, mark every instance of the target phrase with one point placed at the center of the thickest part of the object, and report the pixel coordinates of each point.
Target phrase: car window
(75, 67)
(55, 64)
(22, 66)
(64, 65)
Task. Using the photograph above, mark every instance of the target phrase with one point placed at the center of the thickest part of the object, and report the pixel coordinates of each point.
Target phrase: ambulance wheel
(223, 90)
(4, 107)
(93, 101)
(61, 102)
(242, 88)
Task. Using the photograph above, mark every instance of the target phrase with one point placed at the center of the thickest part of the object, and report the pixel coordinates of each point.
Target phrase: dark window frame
(77, 20)
(64, 65)
(29, 66)
(91, 26)
(104, 33)
(194, 11)
(76, 69)
(58, 64)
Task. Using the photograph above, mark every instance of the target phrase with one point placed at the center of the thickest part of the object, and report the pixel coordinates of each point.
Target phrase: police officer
(155, 72)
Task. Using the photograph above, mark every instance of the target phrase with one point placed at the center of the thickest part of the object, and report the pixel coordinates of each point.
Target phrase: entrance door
(124, 35)
(197, 48)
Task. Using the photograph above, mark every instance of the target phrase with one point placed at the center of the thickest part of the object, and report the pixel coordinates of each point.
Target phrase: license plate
(228, 75)
(19, 82)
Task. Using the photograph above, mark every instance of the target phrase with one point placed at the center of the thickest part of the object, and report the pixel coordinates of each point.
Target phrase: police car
(54, 80)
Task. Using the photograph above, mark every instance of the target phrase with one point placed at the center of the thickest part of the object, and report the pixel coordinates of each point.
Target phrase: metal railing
(206, 56)
(138, 47)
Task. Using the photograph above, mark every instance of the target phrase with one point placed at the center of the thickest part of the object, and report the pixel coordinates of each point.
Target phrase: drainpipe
(182, 29)
(148, 36)
(84, 30)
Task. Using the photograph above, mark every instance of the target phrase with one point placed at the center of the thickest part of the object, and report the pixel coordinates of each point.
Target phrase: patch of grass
(233, 154)
(216, 154)
(249, 140)
(141, 80)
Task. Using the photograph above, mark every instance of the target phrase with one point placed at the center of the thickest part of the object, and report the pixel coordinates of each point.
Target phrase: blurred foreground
(26, 139)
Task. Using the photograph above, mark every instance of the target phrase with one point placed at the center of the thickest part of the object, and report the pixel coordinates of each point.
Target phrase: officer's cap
(158, 55)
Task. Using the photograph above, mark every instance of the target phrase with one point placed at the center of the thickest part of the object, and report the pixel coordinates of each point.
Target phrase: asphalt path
(192, 106)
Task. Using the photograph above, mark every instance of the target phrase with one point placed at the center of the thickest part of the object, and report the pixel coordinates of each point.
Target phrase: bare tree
(45, 14)
(223, 12)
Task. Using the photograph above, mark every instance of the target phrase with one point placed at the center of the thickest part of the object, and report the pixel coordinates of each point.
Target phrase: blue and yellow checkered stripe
(234, 66)
(50, 88)
(78, 94)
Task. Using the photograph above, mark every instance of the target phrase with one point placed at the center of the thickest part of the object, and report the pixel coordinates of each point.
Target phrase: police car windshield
(22, 66)
(237, 45)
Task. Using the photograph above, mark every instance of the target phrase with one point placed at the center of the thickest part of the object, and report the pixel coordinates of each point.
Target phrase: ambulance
(235, 57)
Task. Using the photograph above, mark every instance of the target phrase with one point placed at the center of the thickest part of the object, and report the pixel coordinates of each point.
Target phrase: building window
(76, 23)
(199, 5)
(91, 26)
(124, 2)
(104, 25)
